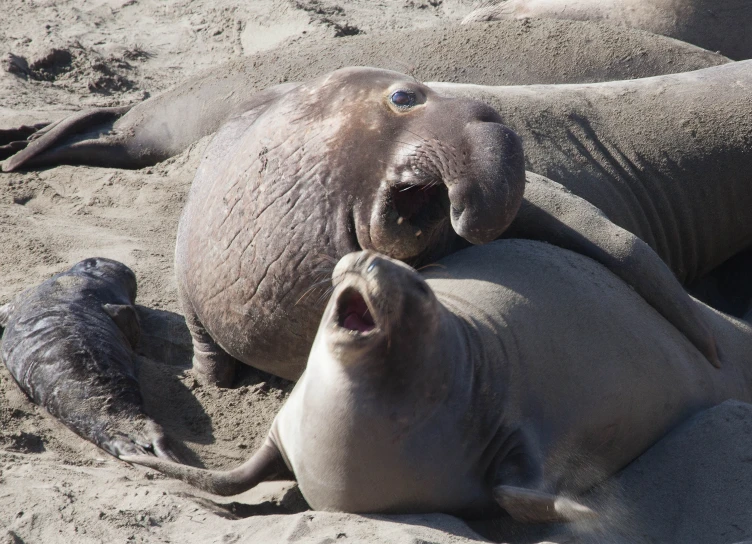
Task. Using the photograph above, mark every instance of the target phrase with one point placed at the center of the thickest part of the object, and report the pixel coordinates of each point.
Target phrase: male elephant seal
(68, 343)
(717, 26)
(515, 373)
(365, 158)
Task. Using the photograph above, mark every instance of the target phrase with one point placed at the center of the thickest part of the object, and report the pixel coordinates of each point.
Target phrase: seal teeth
(353, 313)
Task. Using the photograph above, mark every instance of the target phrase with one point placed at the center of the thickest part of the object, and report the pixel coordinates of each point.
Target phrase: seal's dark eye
(402, 99)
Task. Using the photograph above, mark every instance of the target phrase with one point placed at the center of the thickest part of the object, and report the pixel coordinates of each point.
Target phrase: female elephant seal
(515, 373)
(68, 343)
(365, 158)
(717, 26)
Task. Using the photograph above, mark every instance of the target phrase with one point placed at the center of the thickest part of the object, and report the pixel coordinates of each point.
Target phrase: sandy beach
(63, 56)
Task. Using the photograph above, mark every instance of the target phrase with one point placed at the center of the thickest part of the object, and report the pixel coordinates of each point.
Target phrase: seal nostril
(371, 266)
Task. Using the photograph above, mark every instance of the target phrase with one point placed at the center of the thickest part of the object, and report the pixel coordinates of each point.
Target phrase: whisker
(429, 266)
(312, 288)
(325, 295)
(388, 336)
(421, 138)
(401, 142)
(325, 257)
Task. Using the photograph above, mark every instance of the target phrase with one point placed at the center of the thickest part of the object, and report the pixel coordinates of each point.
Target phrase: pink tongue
(354, 322)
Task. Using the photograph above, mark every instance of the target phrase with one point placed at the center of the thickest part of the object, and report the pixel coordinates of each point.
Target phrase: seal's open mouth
(423, 206)
(353, 313)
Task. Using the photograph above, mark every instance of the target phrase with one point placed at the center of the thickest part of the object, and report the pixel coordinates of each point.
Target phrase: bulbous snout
(486, 195)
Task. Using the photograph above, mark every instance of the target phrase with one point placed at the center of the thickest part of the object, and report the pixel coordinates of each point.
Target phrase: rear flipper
(152, 441)
(266, 464)
(530, 506)
(77, 139)
(15, 139)
(550, 213)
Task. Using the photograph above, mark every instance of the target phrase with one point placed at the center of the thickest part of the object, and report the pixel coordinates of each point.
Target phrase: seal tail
(266, 464)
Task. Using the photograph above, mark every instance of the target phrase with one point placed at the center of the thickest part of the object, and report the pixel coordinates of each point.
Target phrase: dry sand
(55, 487)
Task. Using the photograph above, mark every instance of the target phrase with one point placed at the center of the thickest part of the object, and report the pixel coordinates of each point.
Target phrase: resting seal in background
(504, 53)
(364, 158)
(722, 26)
(515, 371)
(666, 158)
(68, 343)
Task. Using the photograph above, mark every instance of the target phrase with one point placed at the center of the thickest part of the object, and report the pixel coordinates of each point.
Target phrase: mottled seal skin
(656, 155)
(504, 53)
(68, 343)
(515, 374)
(717, 26)
(310, 178)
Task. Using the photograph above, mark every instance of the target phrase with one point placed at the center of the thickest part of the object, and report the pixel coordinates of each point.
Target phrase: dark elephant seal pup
(365, 158)
(516, 373)
(717, 26)
(68, 343)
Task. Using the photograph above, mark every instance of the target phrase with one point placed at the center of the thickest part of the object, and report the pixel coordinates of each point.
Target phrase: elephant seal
(515, 373)
(657, 156)
(68, 343)
(504, 53)
(399, 170)
(717, 26)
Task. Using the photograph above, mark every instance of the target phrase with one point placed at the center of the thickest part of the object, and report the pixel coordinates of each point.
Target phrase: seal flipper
(126, 318)
(550, 213)
(15, 139)
(518, 480)
(266, 464)
(152, 440)
(530, 506)
(53, 144)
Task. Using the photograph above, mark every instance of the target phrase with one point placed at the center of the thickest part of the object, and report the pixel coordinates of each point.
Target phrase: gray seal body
(717, 26)
(667, 158)
(513, 375)
(505, 53)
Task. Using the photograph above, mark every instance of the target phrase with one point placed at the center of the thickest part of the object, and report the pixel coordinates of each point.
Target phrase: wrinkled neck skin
(370, 437)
